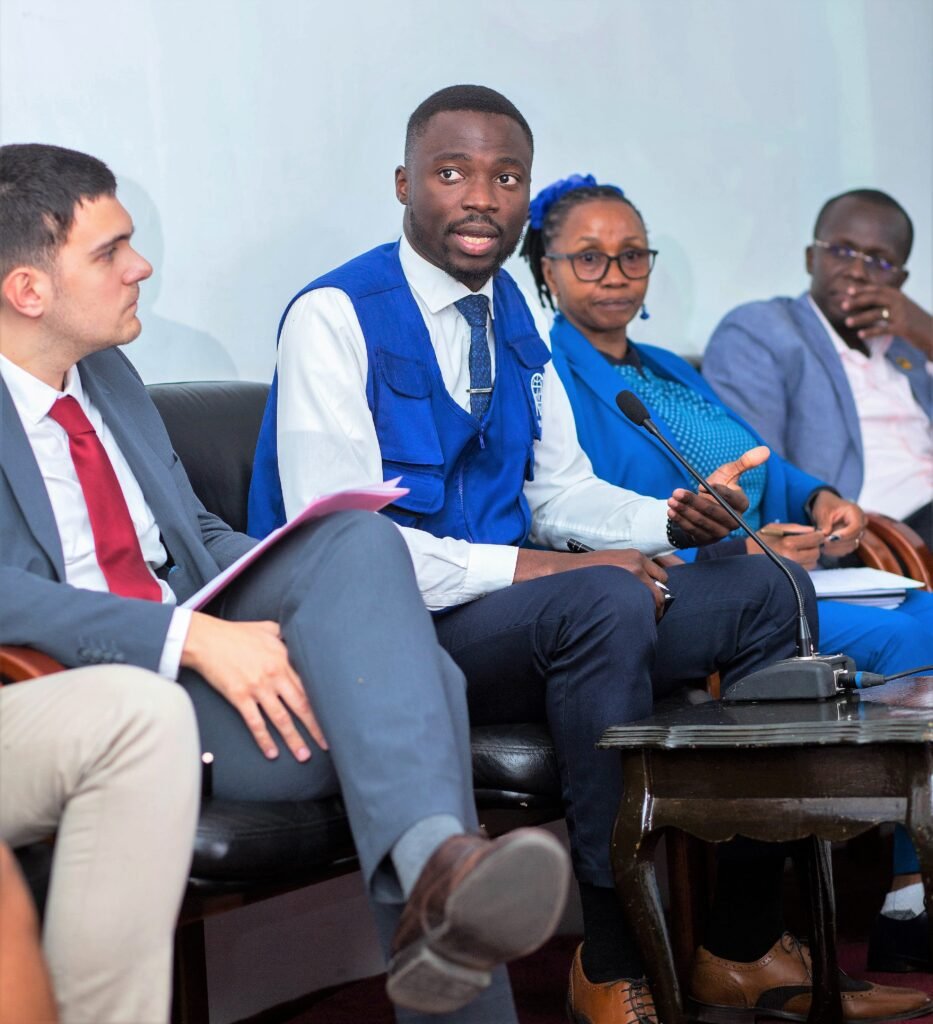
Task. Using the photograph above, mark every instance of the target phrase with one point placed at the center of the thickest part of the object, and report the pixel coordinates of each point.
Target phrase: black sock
(747, 916)
(609, 949)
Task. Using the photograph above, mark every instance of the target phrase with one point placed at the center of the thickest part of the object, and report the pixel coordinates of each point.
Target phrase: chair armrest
(908, 547)
(876, 554)
(20, 663)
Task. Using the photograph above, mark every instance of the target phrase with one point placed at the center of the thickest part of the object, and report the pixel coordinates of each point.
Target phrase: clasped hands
(833, 517)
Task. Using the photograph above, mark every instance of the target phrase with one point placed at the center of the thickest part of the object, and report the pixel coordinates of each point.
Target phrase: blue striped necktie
(475, 310)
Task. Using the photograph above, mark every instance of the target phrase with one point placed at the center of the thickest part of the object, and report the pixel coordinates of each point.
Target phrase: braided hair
(547, 214)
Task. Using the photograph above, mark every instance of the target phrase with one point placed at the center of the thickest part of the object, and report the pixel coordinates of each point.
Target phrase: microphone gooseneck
(633, 408)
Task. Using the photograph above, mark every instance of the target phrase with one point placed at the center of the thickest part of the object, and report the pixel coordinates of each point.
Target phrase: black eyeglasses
(635, 264)
(875, 266)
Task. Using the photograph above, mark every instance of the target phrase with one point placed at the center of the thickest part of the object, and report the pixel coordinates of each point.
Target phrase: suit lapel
(589, 366)
(152, 474)
(22, 472)
(821, 346)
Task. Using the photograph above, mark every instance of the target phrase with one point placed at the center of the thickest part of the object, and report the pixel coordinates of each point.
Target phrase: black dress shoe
(899, 944)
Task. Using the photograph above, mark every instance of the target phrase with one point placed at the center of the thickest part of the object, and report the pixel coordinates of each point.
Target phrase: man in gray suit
(838, 381)
(326, 635)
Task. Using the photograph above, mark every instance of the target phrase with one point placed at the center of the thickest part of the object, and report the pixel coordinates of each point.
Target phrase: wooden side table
(770, 771)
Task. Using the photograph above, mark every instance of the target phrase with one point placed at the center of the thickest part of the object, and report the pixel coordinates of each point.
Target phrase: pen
(766, 531)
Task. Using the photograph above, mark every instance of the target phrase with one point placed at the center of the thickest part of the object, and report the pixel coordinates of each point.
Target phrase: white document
(863, 586)
(367, 499)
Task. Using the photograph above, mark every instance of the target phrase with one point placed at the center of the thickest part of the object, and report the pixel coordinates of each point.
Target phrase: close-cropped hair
(476, 98)
(40, 186)
(538, 241)
(874, 197)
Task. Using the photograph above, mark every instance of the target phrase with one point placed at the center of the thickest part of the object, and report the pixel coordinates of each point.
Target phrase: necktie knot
(69, 415)
(474, 309)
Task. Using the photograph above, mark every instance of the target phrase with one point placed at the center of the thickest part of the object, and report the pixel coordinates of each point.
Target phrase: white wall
(255, 142)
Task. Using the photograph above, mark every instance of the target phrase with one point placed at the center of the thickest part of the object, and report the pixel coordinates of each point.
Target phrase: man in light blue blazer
(324, 635)
(838, 381)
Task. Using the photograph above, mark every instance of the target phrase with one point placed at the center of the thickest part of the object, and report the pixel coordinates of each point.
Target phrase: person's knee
(609, 597)
(149, 705)
(362, 538)
(762, 583)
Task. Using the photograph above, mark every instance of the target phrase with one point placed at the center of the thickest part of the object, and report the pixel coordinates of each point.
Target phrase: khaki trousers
(107, 758)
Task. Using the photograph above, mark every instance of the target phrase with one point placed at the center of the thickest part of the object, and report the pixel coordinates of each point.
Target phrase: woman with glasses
(588, 250)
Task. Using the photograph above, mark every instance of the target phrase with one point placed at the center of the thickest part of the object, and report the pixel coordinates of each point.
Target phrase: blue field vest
(466, 477)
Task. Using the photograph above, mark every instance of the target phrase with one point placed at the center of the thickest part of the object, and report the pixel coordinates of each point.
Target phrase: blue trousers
(581, 651)
(884, 640)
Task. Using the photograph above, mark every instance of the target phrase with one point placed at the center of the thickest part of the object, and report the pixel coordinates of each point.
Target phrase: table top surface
(898, 712)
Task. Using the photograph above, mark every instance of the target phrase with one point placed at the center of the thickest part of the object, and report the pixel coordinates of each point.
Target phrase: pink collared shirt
(897, 436)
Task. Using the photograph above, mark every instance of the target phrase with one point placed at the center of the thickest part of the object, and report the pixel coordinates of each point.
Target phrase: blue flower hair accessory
(548, 196)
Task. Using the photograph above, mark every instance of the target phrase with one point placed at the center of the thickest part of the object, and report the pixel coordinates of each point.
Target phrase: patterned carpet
(539, 982)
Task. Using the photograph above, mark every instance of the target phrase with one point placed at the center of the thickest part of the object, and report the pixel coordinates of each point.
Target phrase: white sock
(906, 902)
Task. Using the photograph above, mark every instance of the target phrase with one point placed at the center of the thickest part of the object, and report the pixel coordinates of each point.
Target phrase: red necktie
(118, 552)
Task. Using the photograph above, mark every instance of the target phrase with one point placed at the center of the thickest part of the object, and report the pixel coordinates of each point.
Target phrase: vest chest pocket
(407, 432)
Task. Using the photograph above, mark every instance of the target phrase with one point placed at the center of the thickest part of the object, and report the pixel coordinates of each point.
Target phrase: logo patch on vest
(537, 384)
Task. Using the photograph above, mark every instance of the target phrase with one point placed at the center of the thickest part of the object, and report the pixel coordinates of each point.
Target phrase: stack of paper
(863, 586)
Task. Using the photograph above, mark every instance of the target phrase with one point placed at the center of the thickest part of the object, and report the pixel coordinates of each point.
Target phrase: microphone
(806, 676)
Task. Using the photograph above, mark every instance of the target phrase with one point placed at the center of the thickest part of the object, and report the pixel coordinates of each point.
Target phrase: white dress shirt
(897, 436)
(327, 440)
(33, 399)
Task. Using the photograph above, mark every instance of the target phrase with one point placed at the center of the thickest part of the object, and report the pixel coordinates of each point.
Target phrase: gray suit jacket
(80, 627)
(774, 364)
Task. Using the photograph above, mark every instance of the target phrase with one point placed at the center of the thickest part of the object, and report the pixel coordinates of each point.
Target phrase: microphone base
(818, 678)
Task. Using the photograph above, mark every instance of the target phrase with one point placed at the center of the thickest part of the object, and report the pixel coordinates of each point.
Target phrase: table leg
(826, 1005)
(920, 824)
(633, 847)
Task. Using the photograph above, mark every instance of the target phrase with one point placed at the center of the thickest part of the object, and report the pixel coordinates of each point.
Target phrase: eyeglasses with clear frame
(875, 266)
(592, 266)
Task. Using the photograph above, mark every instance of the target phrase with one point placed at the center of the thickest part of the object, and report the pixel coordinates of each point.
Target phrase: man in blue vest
(423, 359)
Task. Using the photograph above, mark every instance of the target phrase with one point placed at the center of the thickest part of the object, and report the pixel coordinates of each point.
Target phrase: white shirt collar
(436, 288)
(33, 397)
(877, 347)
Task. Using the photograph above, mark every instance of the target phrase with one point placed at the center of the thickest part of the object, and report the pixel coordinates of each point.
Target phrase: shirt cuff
(174, 643)
(491, 567)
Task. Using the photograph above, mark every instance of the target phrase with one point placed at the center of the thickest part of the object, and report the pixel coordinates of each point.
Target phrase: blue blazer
(81, 627)
(628, 455)
(775, 364)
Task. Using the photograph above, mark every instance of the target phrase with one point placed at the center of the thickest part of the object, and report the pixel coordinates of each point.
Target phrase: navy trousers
(581, 651)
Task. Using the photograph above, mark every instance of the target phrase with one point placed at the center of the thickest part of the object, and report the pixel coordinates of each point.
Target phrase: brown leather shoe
(476, 904)
(780, 985)
(611, 1002)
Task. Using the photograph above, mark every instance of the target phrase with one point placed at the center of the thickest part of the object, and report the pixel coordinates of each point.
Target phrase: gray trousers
(390, 701)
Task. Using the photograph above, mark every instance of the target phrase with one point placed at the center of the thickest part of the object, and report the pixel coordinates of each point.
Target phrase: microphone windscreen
(631, 405)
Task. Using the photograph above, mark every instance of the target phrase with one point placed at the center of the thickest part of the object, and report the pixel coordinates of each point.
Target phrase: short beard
(473, 281)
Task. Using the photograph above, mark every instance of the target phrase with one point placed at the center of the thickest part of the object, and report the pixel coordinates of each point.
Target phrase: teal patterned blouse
(704, 432)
